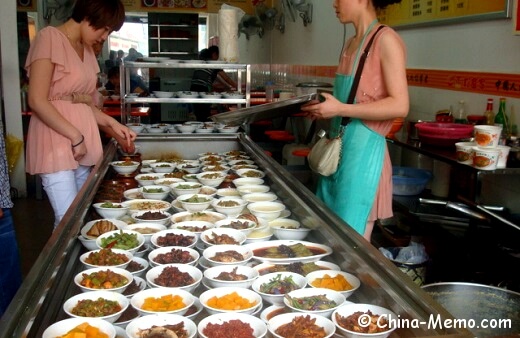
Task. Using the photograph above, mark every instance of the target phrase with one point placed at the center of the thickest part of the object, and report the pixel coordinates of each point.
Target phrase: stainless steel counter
(39, 301)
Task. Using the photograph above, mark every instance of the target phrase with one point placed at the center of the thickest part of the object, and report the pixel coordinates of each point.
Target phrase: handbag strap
(355, 84)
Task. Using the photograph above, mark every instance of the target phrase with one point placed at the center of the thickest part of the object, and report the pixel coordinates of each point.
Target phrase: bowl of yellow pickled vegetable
(343, 282)
(67, 328)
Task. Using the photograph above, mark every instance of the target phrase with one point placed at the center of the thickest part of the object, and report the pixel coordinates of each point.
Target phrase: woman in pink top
(360, 191)
(63, 140)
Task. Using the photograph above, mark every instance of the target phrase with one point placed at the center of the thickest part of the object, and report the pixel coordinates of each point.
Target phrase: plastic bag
(13, 150)
(414, 253)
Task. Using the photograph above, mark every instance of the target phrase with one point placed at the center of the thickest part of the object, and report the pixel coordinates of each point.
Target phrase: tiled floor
(33, 221)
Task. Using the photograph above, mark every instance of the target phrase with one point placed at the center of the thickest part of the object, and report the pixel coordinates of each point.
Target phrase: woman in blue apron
(360, 191)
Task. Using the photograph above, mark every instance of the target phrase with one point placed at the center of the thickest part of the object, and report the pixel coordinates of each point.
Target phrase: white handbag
(325, 155)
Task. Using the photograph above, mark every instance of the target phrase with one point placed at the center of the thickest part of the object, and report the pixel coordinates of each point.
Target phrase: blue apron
(351, 190)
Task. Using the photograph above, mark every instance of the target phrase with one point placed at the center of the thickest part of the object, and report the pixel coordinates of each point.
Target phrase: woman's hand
(79, 149)
(124, 136)
(327, 109)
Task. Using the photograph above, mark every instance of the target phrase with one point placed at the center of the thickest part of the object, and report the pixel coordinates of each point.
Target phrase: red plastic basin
(443, 134)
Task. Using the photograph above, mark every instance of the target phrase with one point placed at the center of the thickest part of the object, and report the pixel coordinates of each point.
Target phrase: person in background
(360, 191)
(137, 85)
(133, 55)
(111, 61)
(63, 141)
(207, 80)
(10, 274)
(120, 57)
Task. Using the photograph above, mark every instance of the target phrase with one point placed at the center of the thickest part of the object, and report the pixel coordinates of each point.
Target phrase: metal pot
(477, 302)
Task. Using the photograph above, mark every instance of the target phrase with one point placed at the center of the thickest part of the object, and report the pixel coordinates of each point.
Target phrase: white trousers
(62, 187)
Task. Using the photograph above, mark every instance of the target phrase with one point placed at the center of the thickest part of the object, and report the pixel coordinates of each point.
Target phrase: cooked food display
(151, 216)
(174, 256)
(105, 279)
(232, 276)
(252, 173)
(238, 225)
(153, 190)
(131, 289)
(134, 266)
(220, 239)
(279, 286)
(211, 176)
(164, 331)
(301, 327)
(196, 199)
(128, 163)
(188, 186)
(147, 205)
(85, 330)
(194, 228)
(163, 304)
(100, 227)
(228, 256)
(146, 230)
(239, 329)
(351, 322)
(172, 277)
(231, 301)
(171, 239)
(228, 203)
(199, 216)
(311, 303)
(96, 308)
(297, 267)
(110, 205)
(337, 283)
(287, 251)
(106, 257)
(121, 240)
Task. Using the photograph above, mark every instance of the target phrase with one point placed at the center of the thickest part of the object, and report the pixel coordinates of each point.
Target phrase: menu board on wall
(432, 12)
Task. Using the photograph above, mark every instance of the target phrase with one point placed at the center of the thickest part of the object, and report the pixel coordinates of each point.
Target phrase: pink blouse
(372, 88)
(48, 151)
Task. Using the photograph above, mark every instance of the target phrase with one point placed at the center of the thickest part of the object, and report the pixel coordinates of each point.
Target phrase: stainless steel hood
(246, 116)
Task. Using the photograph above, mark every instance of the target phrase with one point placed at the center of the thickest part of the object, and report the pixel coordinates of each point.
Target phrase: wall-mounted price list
(424, 12)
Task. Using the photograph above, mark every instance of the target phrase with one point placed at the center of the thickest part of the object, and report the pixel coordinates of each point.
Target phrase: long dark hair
(100, 13)
(382, 4)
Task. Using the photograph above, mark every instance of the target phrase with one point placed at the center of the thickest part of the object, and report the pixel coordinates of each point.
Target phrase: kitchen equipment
(443, 134)
(480, 304)
(409, 181)
(413, 133)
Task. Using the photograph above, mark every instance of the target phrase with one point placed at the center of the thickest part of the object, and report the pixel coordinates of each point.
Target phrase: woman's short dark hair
(100, 13)
(382, 4)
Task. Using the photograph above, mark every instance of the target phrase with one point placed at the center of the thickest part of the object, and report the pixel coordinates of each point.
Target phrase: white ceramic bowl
(212, 280)
(155, 130)
(348, 309)
(123, 302)
(252, 188)
(250, 173)
(173, 255)
(209, 191)
(103, 240)
(182, 188)
(124, 167)
(195, 202)
(320, 274)
(204, 130)
(190, 168)
(139, 272)
(266, 210)
(148, 178)
(118, 224)
(205, 216)
(265, 268)
(161, 217)
(331, 295)
(143, 251)
(163, 167)
(243, 225)
(210, 254)
(110, 209)
(260, 197)
(228, 129)
(229, 206)
(248, 181)
(260, 235)
(283, 282)
(211, 178)
(222, 236)
(137, 301)
(284, 230)
(89, 244)
(62, 327)
(186, 128)
(137, 205)
(174, 237)
(136, 326)
(95, 254)
(167, 181)
(228, 192)
(272, 311)
(147, 229)
(196, 227)
(285, 318)
(193, 272)
(221, 319)
(162, 94)
(136, 127)
(155, 192)
(211, 295)
(212, 158)
(124, 274)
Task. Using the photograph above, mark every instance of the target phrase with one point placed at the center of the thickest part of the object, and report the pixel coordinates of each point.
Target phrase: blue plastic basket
(409, 181)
